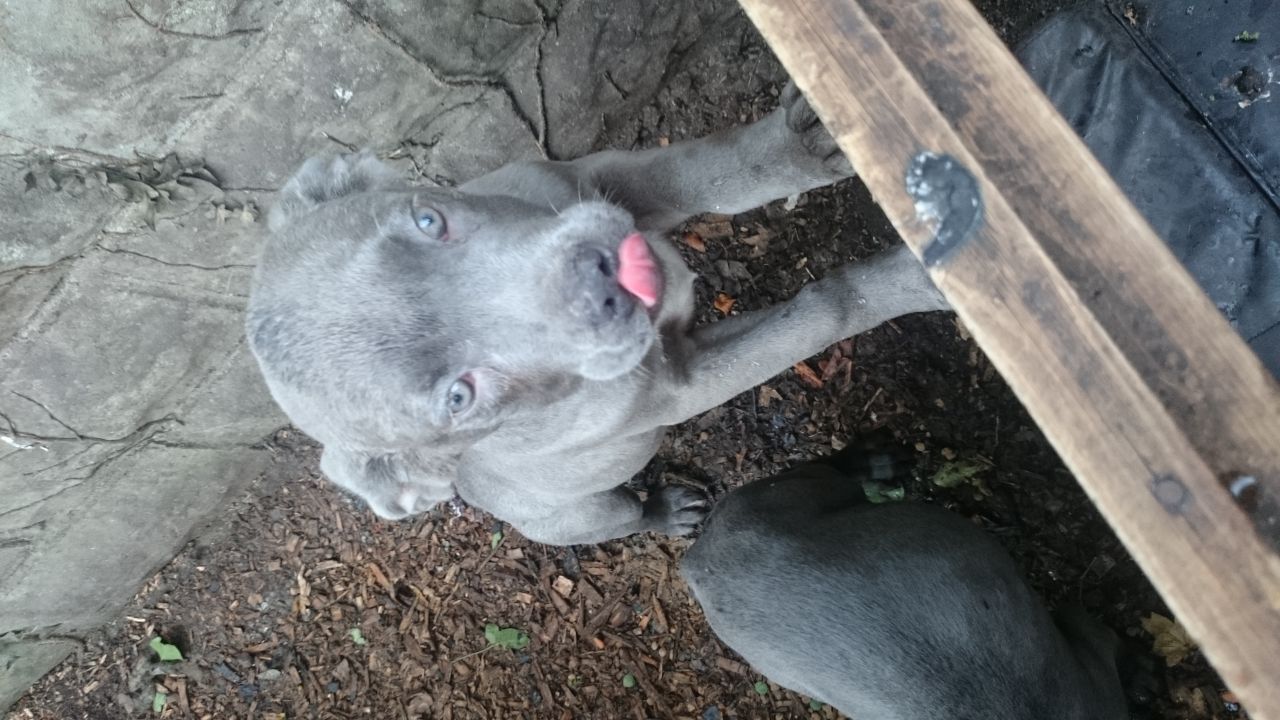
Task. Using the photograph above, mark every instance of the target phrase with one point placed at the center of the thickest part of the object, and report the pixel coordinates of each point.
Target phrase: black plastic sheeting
(1180, 101)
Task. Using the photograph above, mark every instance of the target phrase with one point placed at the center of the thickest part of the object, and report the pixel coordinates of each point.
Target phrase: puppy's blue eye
(430, 222)
(461, 395)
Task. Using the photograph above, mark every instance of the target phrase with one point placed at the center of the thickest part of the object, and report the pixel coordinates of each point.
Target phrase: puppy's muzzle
(594, 291)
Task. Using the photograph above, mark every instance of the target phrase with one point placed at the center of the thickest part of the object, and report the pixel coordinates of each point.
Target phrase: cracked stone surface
(140, 141)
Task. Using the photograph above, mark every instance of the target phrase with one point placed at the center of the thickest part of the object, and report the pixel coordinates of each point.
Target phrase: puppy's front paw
(675, 510)
(803, 122)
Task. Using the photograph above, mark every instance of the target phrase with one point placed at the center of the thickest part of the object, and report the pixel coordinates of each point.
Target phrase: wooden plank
(1145, 391)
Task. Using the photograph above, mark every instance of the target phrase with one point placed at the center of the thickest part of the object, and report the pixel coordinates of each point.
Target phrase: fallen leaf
(1170, 640)
(807, 375)
(495, 539)
(628, 681)
(357, 637)
(1247, 37)
(954, 474)
(713, 227)
(762, 687)
(724, 303)
(878, 492)
(509, 638)
(166, 652)
(694, 240)
(158, 702)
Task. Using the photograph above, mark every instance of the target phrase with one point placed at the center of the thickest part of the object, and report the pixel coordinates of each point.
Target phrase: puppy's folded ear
(321, 179)
(393, 485)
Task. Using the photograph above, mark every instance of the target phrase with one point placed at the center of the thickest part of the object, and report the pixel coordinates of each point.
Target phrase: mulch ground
(305, 605)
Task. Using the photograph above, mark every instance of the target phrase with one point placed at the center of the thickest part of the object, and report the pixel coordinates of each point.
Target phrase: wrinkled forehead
(337, 230)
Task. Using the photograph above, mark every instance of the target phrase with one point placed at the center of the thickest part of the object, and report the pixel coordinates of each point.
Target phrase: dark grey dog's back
(890, 612)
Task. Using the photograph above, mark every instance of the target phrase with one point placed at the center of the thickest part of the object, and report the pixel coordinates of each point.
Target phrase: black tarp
(1180, 101)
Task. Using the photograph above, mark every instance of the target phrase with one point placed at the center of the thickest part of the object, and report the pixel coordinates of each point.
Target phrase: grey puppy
(523, 340)
(901, 611)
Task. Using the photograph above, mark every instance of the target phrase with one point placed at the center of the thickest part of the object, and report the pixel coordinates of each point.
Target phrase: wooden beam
(1145, 391)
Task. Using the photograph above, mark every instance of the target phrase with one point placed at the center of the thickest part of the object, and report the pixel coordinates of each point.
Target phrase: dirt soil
(302, 604)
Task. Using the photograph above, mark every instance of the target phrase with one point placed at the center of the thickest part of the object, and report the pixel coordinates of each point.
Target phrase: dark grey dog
(523, 340)
(893, 612)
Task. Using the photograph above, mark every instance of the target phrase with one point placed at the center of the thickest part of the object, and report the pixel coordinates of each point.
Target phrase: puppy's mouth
(638, 271)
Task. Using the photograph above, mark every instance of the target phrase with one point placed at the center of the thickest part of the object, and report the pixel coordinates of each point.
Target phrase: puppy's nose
(601, 299)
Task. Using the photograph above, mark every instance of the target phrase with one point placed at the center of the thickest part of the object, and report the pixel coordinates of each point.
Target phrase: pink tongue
(637, 271)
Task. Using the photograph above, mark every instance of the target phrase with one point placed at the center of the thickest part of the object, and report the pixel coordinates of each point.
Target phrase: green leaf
(628, 681)
(878, 492)
(357, 637)
(167, 652)
(495, 540)
(816, 705)
(1247, 37)
(762, 688)
(158, 702)
(509, 638)
(954, 474)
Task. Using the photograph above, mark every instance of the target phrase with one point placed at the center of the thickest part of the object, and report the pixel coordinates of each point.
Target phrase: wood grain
(1145, 391)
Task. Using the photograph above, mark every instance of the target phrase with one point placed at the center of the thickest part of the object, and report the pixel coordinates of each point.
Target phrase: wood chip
(563, 586)
(732, 666)
(768, 395)
(381, 578)
(807, 375)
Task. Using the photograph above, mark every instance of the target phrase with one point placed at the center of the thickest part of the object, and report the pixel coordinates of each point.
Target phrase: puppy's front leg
(669, 510)
(725, 358)
(729, 172)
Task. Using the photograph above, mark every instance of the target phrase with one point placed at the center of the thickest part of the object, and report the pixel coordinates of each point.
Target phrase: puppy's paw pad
(675, 510)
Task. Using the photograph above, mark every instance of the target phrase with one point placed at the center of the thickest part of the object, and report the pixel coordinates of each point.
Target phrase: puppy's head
(400, 325)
